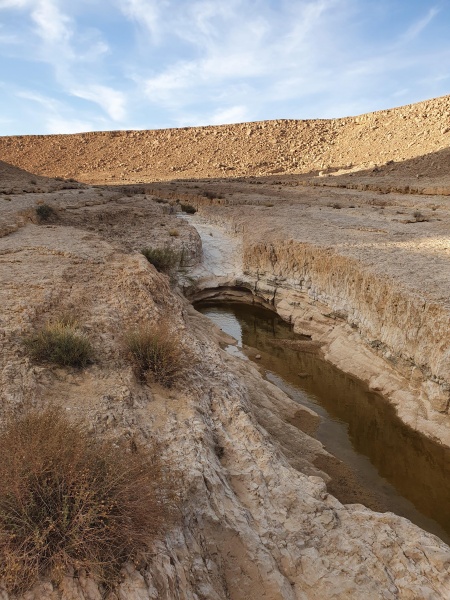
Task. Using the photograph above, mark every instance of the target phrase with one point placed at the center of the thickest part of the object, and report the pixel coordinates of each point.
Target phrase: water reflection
(407, 472)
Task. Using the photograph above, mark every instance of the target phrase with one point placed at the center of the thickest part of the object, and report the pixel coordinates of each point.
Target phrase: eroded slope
(396, 138)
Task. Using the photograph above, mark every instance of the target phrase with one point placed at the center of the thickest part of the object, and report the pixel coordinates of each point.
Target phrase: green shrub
(60, 343)
(69, 501)
(45, 212)
(188, 208)
(156, 351)
(164, 259)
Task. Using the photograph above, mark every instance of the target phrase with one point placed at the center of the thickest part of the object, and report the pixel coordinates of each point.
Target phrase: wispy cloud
(111, 101)
(232, 114)
(53, 26)
(58, 124)
(163, 63)
(72, 54)
(146, 13)
(221, 116)
(235, 45)
(54, 114)
(14, 3)
(416, 28)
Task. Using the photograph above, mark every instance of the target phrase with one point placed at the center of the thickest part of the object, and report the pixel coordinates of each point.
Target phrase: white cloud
(54, 114)
(58, 124)
(73, 57)
(111, 101)
(221, 116)
(146, 13)
(416, 29)
(240, 52)
(53, 26)
(166, 62)
(232, 114)
(45, 101)
(14, 3)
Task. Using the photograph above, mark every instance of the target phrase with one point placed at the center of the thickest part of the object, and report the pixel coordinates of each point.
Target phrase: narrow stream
(398, 469)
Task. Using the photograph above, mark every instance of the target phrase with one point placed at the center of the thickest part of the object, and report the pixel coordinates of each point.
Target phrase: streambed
(391, 467)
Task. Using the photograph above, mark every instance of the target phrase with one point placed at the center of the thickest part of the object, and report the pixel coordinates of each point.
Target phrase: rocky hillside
(266, 148)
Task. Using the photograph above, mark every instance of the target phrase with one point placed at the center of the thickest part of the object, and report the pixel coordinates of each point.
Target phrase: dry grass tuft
(60, 343)
(69, 501)
(156, 351)
(163, 259)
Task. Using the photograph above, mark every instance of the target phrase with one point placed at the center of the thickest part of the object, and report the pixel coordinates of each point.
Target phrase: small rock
(303, 375)
(258, 356)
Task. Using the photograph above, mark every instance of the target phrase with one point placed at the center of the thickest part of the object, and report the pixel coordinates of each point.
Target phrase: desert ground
(342, 227)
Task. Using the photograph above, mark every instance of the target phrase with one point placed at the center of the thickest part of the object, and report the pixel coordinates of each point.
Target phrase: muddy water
(390, 466)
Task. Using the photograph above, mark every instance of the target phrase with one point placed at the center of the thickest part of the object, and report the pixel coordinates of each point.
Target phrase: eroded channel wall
(410, 333)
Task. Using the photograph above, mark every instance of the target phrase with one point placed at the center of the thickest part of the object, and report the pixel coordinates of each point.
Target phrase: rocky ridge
(406, 146)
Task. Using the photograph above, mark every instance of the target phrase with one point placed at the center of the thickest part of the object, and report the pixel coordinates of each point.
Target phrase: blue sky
(83, 65)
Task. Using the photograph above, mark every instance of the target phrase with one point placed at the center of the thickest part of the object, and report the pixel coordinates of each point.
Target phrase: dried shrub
(158, 352)
(60, 343)
(69, 501)
(45, 212)
(188, 208)
(419, 217)
(163, 259)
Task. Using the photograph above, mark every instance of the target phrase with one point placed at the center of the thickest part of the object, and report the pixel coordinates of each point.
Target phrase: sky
(85, 65)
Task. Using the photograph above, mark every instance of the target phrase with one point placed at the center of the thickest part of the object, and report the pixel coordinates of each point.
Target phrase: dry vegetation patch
(163, 259)
(156, 351)
(70, 501)
(45, 213)
(60, 343)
